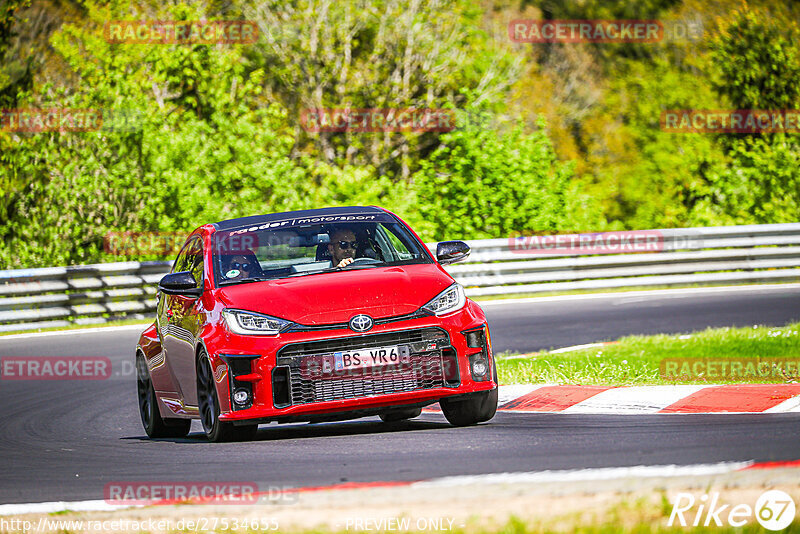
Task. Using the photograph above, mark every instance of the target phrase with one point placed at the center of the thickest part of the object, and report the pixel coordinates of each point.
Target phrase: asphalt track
(65, 440)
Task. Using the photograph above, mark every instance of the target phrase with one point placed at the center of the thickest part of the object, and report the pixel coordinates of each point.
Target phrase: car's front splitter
(376, 404)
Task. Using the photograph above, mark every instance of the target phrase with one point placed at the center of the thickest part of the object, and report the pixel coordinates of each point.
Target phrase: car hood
(335, 297)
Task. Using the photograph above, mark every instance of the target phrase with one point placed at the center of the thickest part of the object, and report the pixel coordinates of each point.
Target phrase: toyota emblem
(361, 323)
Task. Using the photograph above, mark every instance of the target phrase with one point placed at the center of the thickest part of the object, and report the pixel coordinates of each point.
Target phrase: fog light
(241, 396)
(479, 366)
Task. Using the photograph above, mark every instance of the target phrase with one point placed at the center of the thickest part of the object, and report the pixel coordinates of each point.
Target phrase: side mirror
(451, 251)
(181, 283)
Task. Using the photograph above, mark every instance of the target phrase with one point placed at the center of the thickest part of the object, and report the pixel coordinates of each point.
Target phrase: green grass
(636, 360)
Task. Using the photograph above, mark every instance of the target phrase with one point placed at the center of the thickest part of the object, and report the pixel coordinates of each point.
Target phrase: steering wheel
(364, 261)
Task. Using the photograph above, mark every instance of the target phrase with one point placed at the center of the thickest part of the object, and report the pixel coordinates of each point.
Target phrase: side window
(190, 259)
(181, 261)
(396, 246)
(195, 264)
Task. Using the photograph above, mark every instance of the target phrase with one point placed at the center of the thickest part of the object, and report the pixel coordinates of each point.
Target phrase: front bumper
(289, 376)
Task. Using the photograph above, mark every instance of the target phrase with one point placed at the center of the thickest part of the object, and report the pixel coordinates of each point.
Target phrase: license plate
(368, 358)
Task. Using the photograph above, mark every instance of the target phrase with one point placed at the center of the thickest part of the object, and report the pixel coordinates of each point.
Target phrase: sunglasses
(240, 266)
(344, 245)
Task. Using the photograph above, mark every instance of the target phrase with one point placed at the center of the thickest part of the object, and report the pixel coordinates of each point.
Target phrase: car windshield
(288, 248)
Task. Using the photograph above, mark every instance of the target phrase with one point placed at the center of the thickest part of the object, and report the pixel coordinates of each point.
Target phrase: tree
(200, 148)
(376, 54)
(14, 75)
(486, 184)
(756, 66)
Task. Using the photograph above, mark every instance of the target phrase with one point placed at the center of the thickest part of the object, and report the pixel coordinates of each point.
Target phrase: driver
(342, 247)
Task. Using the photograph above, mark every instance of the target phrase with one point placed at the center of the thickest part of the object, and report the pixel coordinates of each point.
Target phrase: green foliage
(217, 130)
(78, 186)
(756, 65)
(757, 59)
(667, 174)
(761, 184)
(210, 145)
(200, 150)
(375, 54)
(603, 103)
(15, 74)
(486, 184)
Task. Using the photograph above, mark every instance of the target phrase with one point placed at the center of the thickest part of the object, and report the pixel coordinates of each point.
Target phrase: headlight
(251, 323)
(449, 300)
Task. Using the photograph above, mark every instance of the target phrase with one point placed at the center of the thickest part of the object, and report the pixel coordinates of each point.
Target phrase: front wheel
(154, 425)
(208, 405)
(475, 409)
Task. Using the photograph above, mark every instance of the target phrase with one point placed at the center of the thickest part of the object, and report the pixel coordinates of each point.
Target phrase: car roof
(300, 214)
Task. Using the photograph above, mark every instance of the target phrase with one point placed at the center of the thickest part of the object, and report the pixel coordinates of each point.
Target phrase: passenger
(240, 266)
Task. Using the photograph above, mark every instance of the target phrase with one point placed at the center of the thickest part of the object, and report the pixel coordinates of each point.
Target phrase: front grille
(344, 326)
(313, 378)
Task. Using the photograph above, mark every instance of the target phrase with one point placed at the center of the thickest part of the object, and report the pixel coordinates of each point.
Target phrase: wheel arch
(222, 385)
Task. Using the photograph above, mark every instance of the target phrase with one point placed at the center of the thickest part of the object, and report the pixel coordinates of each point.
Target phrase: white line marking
(508, 393)
(60, 506)
(789, 405)
(141, 327)
(634, 399)
(573, 475)
(544, 353)
(576, 475)
(568, 475)
(670, 293)
(581, 347)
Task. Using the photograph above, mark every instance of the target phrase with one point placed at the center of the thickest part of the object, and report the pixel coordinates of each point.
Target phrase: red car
(317, 315)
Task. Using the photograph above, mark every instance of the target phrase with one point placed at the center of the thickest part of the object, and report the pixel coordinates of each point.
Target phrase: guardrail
(86, 294)
(82, 294)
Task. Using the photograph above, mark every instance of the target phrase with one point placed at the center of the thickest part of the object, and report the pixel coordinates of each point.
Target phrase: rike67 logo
(774, 510)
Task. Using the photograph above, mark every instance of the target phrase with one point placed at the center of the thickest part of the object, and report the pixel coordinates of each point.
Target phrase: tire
(208, 405)
(154, 425)
(474, 409)
(400, 415)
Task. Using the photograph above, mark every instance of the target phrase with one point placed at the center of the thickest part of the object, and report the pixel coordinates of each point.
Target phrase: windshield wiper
(304, 273)
(365, 266)
(251, 279)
